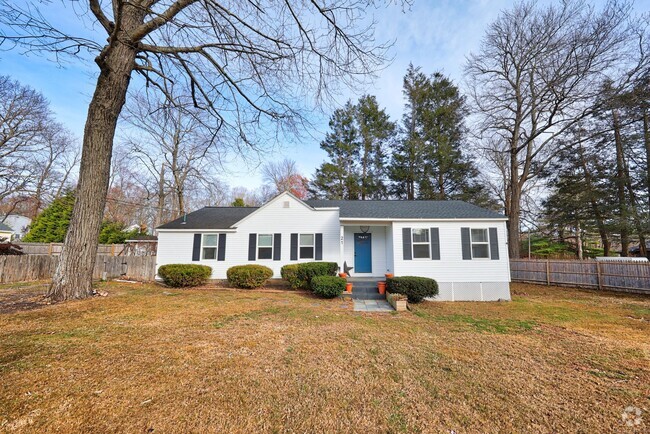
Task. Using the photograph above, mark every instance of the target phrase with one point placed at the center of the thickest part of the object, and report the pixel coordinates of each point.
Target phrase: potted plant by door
(343, 275)
(381, 286)
(348, 287)
(389, 275)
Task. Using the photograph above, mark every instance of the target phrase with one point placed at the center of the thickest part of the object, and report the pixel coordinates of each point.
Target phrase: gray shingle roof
(406, 209)
(210, 218)
(225, 217)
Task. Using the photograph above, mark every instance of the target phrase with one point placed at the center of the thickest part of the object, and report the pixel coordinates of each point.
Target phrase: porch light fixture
(364, 229)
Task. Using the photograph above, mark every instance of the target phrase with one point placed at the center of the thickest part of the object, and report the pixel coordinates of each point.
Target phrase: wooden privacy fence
(613, 276)
(27, 268)
(55, 249)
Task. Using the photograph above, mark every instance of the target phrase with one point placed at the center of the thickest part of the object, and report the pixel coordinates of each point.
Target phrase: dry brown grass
(149, 359)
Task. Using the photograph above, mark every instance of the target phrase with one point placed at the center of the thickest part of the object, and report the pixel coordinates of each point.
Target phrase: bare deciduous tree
(284, 176)
(176, 144)
(536, 76)
(248, 64)
(37, 155)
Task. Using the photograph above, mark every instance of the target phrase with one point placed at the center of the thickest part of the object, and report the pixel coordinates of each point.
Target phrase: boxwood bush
(184, 275)
(328, 286)
(415, 288)
(308, 270)
(290, 274)
(248, 276)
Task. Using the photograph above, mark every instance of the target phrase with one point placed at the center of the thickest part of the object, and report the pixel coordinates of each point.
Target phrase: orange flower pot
(348, 287)
(389, 275)
(343, 275)
(381, 286)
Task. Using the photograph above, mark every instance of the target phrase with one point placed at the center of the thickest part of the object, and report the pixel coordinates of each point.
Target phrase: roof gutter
(428, 219)
(196, 230)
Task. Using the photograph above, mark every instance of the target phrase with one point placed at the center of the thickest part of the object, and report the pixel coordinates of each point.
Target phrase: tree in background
(37, 155)
(410, 150)
(249, 66)
(429, 161)
(238, 202)
(51, 225)
(176, 144)
(339, 177)
(113, 232)
(284, 176)
(376, 133)
(538, 71)
(357, 147)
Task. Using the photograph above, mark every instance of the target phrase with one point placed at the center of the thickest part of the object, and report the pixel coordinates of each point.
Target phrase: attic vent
(287, 204)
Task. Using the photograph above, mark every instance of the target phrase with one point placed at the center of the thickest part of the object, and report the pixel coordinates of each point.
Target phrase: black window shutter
(294, 247)
(221, 250)
(435, 243)
(277, 246)
(406, 244)
(494, 244)
(252, 244)
(319, 247)
(465, 242)
(196, 248)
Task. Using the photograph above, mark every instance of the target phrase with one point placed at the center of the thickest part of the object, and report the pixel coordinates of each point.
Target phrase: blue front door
(363, 253)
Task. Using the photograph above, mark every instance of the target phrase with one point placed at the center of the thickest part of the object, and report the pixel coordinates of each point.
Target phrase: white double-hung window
(421, 243)
(480, 244)
(209, 245)
(265, 246)
(307, 246)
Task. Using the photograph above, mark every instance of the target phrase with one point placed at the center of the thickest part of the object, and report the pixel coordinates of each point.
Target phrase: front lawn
(151, 359)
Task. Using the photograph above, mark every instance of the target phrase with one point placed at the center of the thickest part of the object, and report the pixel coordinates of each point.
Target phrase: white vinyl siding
(176, 247)
(451, 267)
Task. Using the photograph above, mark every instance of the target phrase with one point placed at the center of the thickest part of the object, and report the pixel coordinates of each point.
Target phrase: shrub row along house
(460, 245)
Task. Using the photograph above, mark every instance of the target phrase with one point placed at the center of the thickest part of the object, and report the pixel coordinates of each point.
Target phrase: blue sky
(436, 35)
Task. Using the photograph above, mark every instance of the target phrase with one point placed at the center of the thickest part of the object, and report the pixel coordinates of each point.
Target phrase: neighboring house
(460, 245)
(19, 224)
(6, 233)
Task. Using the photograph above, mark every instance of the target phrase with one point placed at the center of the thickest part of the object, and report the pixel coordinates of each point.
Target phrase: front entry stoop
(366, 296)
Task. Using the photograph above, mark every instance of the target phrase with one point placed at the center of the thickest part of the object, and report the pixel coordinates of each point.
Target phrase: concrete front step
(367, 296)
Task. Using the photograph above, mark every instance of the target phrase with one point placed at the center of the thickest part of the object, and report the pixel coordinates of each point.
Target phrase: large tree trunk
(161, 196)
(514, 205)
(600, 222)
(620, 185)
(73, 276)
(646, 141)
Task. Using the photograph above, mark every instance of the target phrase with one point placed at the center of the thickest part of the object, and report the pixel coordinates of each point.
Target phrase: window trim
(427, 243)
(486, 243)
(215, 247)
(258, 247)
(313, 246)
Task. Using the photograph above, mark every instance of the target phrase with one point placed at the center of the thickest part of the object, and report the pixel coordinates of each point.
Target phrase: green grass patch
(489, 325)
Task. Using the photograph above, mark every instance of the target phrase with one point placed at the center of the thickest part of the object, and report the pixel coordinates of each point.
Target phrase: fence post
(548, 273)
(49, 249)
(598, 274)
(112, 249)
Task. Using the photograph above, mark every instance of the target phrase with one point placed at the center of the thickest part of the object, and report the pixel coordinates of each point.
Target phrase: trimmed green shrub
(308, 270)
(290, 274)
(248, 276)
(184, 275)
(328, 286)
(415, 288)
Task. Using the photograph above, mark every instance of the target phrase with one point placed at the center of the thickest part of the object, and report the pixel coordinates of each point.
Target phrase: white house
(6, 233)
(460, 245)
(18, 224)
